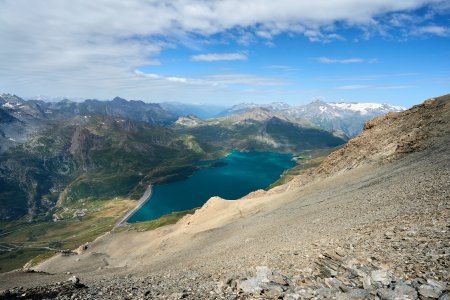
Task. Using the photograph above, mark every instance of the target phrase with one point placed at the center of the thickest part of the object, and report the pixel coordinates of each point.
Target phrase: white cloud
(432, 29)
(217, 80)
(147, 75)
(219, 57)
(177, 79)
(278, 67)
(318, 36)
(327, 60)
(90, 48)
(282, 68)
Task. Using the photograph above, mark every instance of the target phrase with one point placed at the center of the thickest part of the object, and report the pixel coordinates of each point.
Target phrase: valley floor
(370, 232)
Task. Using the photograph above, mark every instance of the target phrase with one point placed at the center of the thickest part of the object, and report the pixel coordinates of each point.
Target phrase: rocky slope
(369, 223)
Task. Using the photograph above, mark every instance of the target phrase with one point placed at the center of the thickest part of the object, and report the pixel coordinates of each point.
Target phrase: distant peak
(119, 99)
(192, 116)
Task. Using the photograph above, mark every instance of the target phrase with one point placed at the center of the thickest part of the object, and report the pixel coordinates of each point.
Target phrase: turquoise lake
(242, 173)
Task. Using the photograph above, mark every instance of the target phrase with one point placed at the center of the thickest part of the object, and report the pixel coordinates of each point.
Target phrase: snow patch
(8, 105)
(364, 108)
(322, 109)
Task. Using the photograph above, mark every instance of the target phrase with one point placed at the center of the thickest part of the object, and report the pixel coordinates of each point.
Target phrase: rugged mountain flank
(347, 118)
(258, 129)
(392, 136)
(370, 223)
(86, 157)
(20, 118)
(118, 107)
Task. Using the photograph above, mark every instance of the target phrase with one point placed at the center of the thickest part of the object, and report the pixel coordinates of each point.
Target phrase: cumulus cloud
(219, 57)
(90, 48)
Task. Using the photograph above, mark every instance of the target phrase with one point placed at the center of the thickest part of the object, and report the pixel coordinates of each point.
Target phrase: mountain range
(349, 118)
(17, 115)
(21, 117)
(258, 129)
(370, 222)
(57, 158)
(53, 154)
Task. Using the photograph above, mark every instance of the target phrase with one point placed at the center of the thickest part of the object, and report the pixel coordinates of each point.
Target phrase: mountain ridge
(347, 117)
(344, 230)
(258, 129)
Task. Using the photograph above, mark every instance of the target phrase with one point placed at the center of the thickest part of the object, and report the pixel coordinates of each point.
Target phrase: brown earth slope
(372, 222)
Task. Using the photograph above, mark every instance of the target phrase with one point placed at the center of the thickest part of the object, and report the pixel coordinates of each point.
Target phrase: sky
(227, 51)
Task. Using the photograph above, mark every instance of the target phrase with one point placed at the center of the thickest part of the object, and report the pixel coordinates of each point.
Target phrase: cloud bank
(84, 47)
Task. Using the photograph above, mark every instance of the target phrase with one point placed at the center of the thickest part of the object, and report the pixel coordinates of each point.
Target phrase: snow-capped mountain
(348, 118)
(366, 108)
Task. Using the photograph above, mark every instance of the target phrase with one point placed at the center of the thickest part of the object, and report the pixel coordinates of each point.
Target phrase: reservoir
(237, 175)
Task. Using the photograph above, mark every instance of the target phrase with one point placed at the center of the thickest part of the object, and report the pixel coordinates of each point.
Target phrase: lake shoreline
(141, 202)
(230, 177)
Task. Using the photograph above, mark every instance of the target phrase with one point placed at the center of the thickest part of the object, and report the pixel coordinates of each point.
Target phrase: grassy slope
(34, 242)
(270, 135)
(30, 239)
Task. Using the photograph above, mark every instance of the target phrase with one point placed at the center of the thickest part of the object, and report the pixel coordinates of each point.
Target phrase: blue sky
(227, 52)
